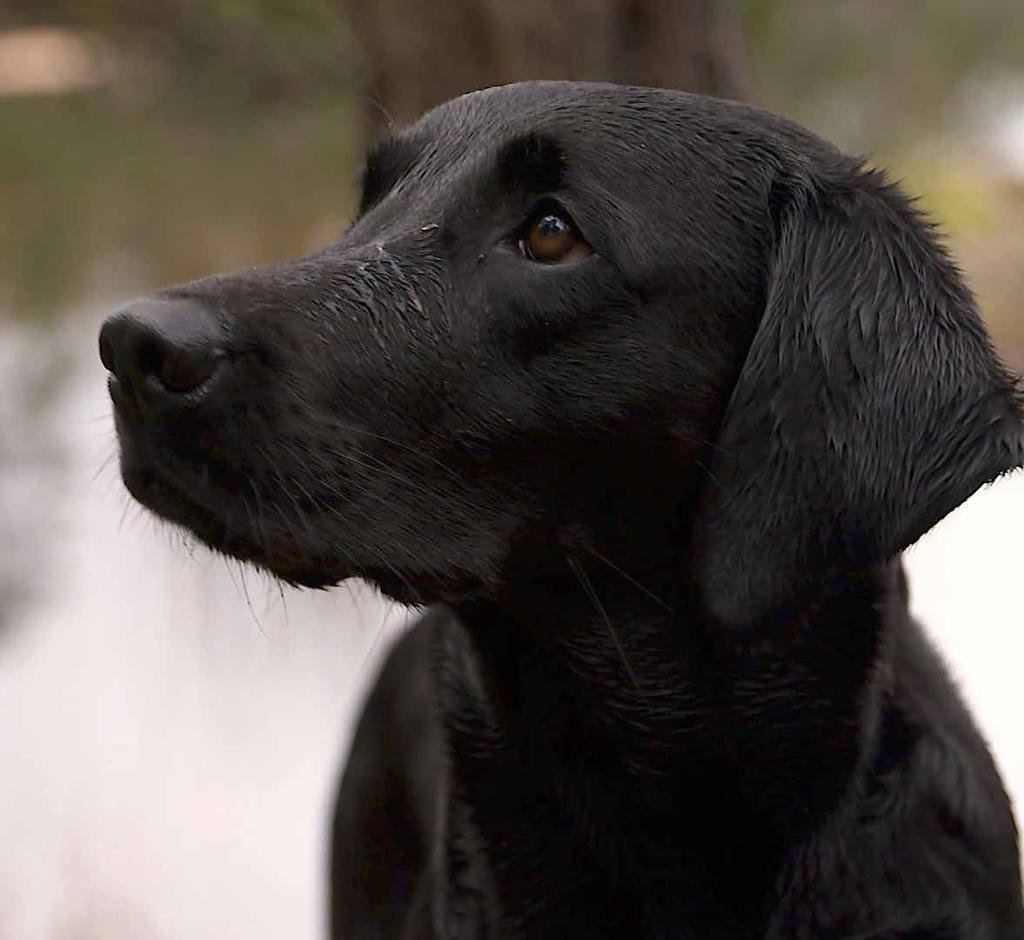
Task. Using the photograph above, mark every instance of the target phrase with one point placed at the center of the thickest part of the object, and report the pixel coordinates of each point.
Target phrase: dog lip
(155, 396)
(421, 588)
(166, 497)
(118, 396)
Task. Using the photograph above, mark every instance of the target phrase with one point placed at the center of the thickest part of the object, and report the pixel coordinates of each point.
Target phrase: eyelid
(547, 205)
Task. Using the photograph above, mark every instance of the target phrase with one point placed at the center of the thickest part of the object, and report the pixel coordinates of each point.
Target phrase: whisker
(284, 604)
(104, 466)
(383, 470)
(375, 643)
(380, 469)
(697, 439)
(581, 575)
(710, 475)
(378, 105)
(256, 515)
(300, 515)
(403, 445)
(611, 564)
(124, 513)
(248, 602)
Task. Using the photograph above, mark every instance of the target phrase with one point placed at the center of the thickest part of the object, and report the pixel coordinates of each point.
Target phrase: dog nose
(162, 346)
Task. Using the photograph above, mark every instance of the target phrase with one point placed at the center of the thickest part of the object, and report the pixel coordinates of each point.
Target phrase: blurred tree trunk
(415, 55)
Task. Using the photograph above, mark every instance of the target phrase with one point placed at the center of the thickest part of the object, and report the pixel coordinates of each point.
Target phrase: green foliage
(104, 197)
(243, 50)
(871, 73)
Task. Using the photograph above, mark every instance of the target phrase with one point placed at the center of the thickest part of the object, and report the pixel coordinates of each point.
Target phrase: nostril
(107, 352)
(186, 369)
(149, 356)
(162, 346)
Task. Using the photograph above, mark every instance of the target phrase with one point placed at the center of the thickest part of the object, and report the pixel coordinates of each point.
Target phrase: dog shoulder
(386, 814)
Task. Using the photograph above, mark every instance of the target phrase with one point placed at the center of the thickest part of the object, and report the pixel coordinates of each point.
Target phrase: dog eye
(552, 238)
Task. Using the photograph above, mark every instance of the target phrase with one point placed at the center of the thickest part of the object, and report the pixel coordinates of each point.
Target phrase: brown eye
(552, 238)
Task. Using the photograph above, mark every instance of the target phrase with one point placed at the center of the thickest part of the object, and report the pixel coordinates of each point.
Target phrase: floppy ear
(870, 404)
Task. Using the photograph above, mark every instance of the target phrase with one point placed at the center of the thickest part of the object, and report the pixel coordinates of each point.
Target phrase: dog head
(640, 321)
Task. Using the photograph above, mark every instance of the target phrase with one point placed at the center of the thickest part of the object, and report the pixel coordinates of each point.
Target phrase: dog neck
(597, 725)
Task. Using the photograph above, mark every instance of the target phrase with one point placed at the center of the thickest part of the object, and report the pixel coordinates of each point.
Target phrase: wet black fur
(669, 687)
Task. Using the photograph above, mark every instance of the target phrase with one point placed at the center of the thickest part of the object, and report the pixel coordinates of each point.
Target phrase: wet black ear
(870, 403)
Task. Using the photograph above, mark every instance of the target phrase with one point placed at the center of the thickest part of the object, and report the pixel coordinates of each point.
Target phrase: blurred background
(173, 724)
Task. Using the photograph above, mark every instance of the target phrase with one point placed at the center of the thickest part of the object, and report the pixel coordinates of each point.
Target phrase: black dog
(646, 392)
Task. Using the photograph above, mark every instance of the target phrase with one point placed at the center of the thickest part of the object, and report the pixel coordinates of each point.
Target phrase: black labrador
(645, 393)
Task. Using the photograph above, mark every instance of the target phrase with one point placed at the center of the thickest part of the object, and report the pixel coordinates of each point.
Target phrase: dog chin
(169, 503)
(295, 566)
(419, 589)
(298, 575)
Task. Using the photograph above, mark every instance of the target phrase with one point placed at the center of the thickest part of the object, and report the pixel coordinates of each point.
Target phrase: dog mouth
(229, 529)
(294, 566)
(231, 526)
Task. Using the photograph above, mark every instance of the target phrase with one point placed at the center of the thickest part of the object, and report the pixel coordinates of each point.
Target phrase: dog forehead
(620, 128)
(477, 122)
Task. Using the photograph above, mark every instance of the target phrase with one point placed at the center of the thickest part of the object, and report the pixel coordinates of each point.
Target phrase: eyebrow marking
(532, 162)
(386, 163)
